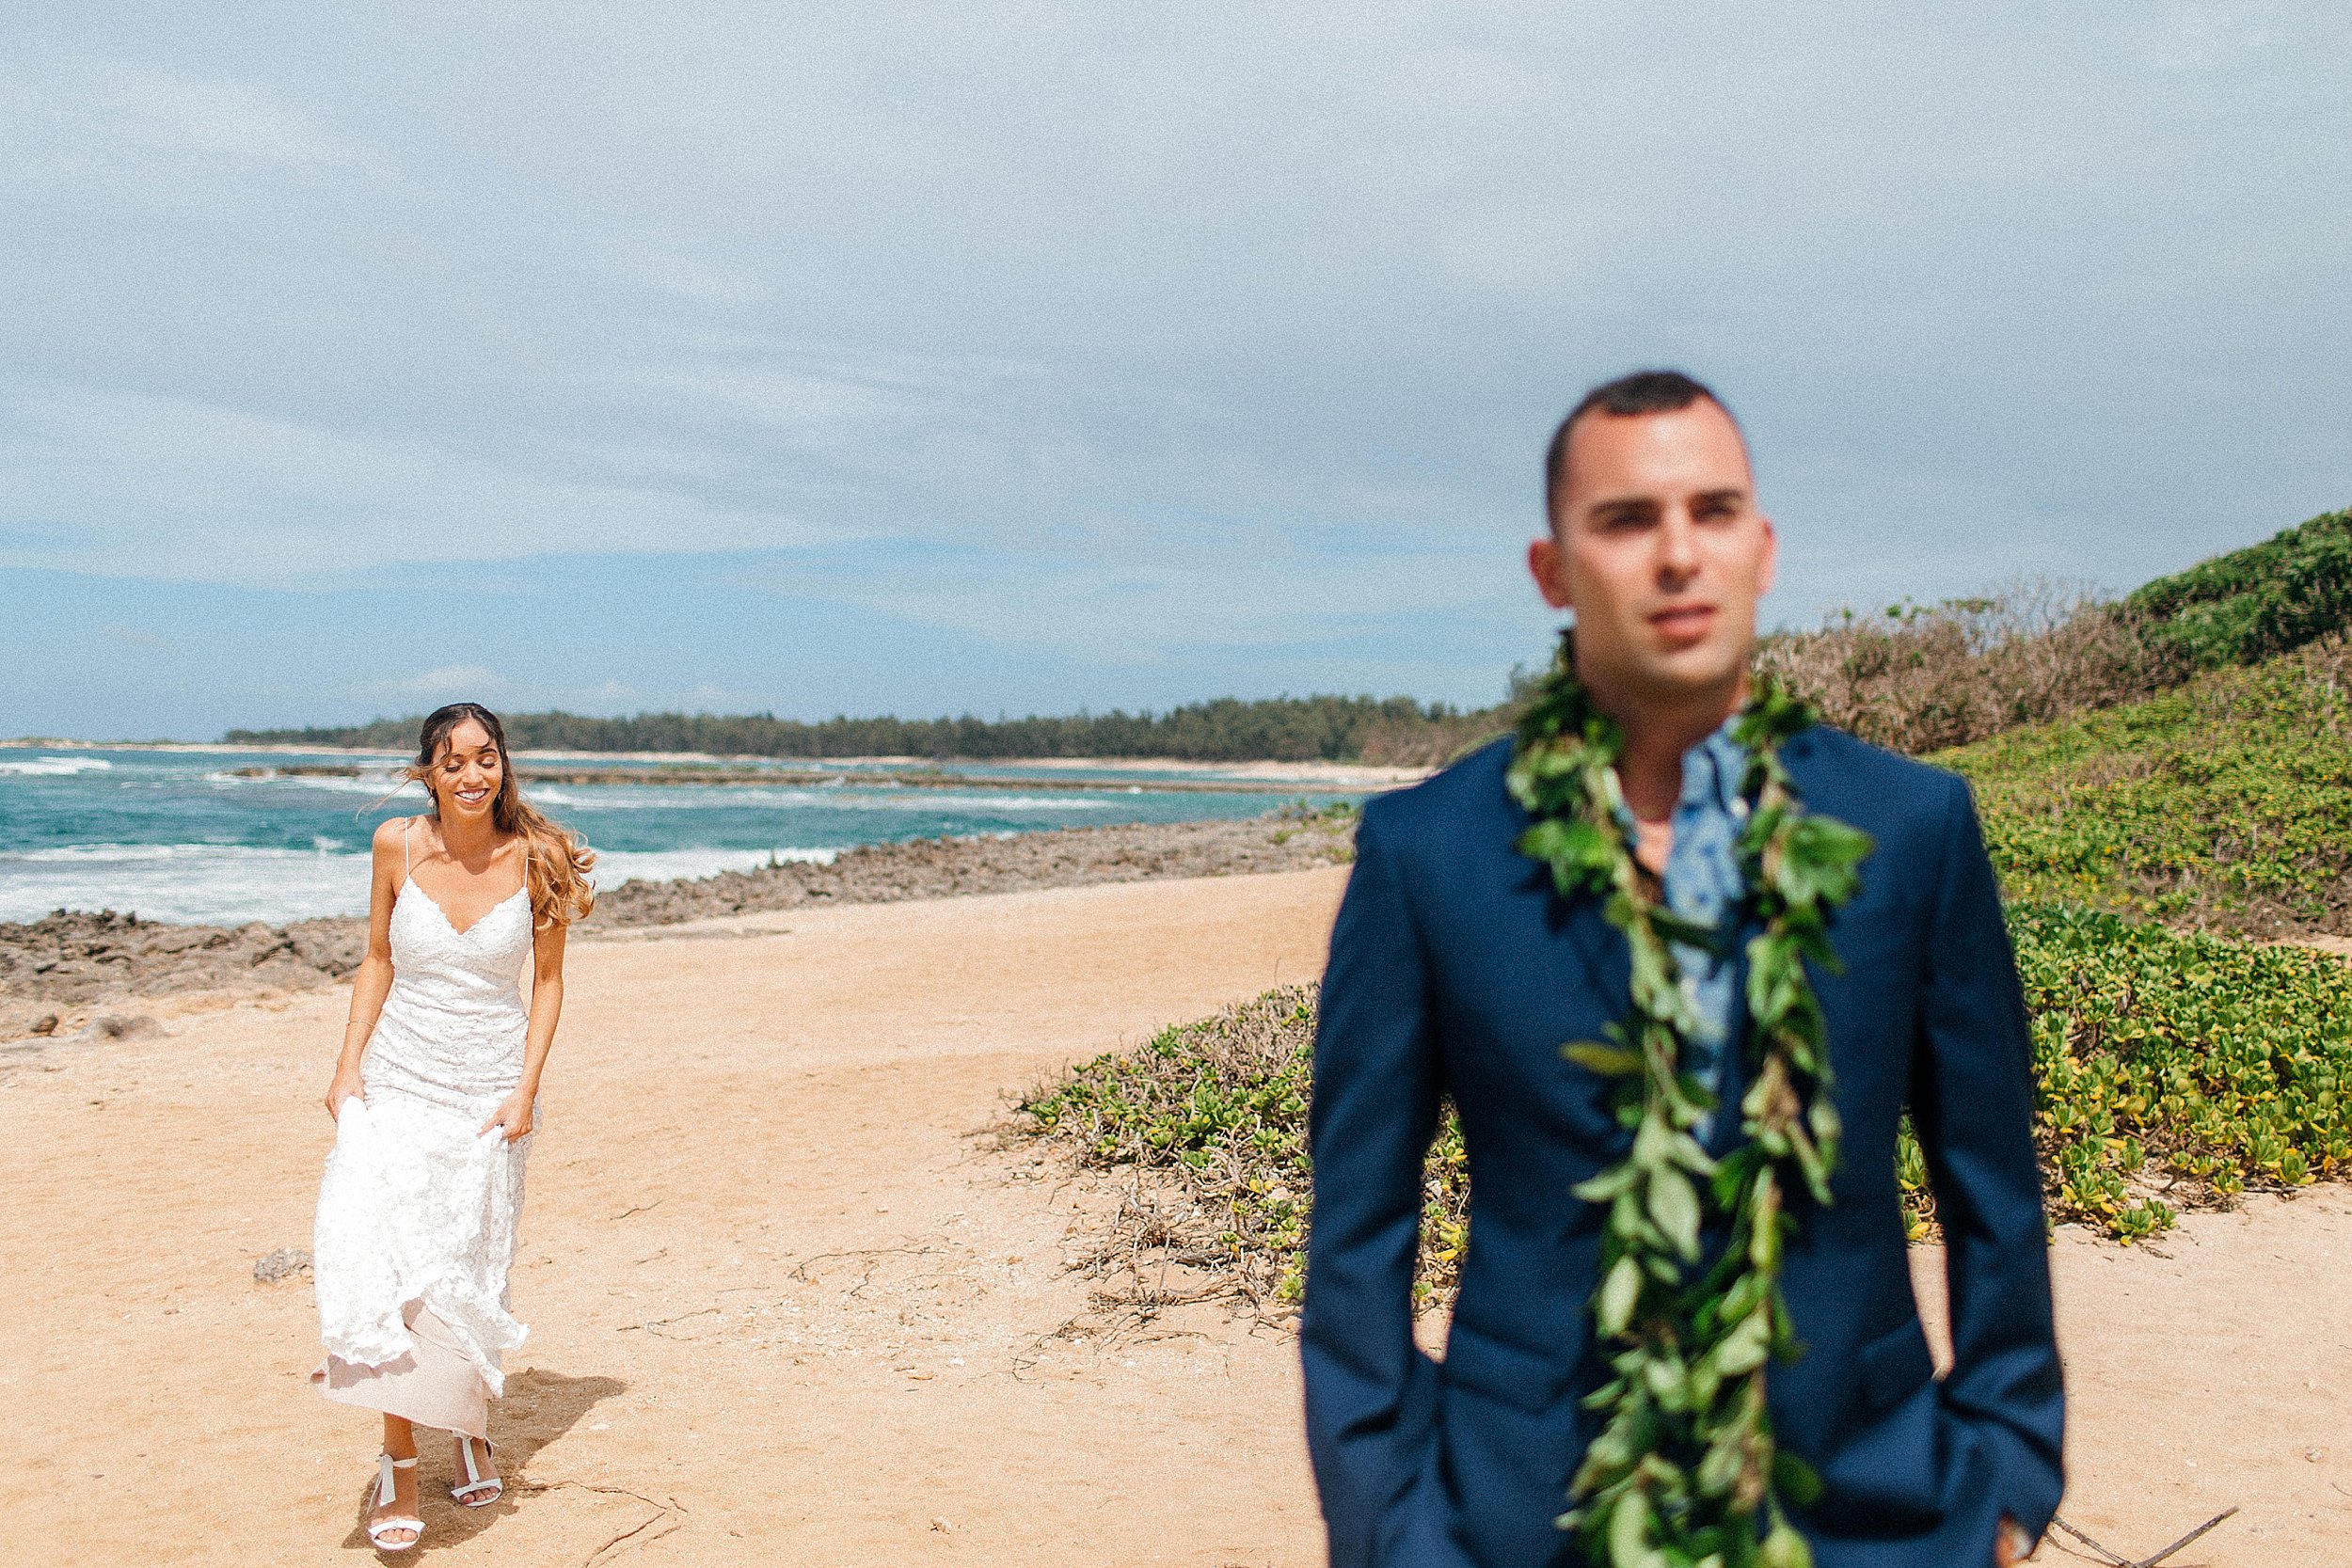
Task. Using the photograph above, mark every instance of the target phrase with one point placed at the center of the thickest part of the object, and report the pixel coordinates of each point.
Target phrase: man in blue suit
(1458, 973)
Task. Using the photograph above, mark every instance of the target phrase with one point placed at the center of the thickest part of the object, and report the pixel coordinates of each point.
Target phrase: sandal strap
(385, 1465)
(474, 1478)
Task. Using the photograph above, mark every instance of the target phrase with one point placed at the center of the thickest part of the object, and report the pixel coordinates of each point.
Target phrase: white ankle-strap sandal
(477, 1490)
(380, 1528)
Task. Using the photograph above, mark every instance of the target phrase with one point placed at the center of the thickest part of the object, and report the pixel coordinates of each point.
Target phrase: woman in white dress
(434, 1105)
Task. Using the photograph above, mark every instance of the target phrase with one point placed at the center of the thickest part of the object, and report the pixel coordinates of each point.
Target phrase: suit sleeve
(1973, 1100)
(1369, 1390)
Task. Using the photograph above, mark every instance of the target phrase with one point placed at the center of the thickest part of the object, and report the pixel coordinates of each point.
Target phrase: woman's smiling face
(467, 773)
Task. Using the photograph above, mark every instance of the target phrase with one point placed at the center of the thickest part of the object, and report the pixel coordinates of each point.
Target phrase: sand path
(788, 1310)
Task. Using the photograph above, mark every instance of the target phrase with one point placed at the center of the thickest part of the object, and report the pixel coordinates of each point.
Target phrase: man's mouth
(1683, 623)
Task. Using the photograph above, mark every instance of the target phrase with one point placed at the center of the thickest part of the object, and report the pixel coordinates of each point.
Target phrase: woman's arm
(374, 981)
(547, 1006)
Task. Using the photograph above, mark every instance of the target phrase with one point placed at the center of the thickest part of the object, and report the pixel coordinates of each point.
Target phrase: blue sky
(930, 357)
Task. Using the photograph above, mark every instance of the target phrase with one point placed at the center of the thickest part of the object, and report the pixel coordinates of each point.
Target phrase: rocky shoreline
(60, 976)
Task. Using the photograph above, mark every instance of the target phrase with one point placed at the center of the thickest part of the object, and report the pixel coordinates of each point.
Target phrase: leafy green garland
(1687, 1461)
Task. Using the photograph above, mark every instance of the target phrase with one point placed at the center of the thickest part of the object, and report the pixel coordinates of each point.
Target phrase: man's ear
(1546, 563)
(1771, 558)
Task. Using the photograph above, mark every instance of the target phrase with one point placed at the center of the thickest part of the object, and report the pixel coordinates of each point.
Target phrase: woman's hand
(514, 1116)
(345, 1086)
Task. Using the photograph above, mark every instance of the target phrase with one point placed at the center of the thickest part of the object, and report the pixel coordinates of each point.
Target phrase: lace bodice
(452, 1029)
(482, 963)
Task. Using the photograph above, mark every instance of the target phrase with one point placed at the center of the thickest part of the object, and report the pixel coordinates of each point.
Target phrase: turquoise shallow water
(176, 835)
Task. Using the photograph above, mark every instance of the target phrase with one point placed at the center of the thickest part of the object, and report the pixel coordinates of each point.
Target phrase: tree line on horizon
(1917, 678)
(1226, 729)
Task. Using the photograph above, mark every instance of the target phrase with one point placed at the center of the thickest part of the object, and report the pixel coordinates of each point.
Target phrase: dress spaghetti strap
(405, 829)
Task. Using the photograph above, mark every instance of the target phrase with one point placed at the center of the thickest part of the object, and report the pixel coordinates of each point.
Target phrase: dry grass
(1917, 678)
(1923, 677)
(1430, 743)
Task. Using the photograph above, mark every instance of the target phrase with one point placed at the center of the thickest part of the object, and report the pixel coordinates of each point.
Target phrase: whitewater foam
(229, 884)
(54, 767)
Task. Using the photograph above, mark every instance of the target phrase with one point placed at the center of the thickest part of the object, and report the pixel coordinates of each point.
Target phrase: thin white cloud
(173, 487)
(85, 125)
(687, 268)
(451, 682)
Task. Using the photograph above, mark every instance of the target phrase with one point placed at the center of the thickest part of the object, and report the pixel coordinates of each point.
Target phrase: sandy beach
(793, 1305)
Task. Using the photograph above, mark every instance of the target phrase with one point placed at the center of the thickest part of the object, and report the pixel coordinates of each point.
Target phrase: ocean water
(178, 835)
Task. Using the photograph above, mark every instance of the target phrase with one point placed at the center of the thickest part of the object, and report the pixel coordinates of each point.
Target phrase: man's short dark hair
(1643, 393)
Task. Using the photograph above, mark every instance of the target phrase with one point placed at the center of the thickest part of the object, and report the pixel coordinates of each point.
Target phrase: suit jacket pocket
(1527, 1382)
(1895, 1363)
(1885, 1472)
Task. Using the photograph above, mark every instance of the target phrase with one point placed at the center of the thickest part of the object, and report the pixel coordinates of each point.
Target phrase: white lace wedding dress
(417, 1210)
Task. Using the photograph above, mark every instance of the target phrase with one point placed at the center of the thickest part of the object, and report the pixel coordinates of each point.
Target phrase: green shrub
(2254, 603)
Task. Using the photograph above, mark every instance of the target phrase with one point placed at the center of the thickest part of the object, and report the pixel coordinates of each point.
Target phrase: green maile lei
(1685, 1473)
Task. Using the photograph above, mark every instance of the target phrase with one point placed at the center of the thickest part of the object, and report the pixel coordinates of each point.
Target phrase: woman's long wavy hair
(555, 862)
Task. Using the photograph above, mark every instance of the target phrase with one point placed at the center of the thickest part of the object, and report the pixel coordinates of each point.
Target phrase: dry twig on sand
(669, 1513)
(2116, 1560)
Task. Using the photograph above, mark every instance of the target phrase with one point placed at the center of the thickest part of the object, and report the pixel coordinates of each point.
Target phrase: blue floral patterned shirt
(1703, 885)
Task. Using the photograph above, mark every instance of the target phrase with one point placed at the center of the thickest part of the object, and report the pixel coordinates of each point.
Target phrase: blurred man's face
(1659, 548)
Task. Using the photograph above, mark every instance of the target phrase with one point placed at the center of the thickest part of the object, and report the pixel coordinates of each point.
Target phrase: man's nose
(1677, 546)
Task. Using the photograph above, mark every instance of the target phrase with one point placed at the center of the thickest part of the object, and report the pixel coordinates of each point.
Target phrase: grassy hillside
(2224, 805)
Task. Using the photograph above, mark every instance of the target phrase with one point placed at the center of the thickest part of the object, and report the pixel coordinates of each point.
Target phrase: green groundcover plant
(2173, 1067)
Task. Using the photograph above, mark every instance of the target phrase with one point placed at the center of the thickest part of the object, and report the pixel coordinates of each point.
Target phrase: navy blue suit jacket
(1456, 970)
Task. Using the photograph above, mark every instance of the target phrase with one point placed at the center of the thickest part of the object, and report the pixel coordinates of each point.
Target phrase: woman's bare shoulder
(392, 831)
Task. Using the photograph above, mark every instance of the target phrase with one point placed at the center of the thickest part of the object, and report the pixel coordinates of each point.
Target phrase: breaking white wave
(207, 884)
(374, 785)
(229, 884)
(54, 767)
